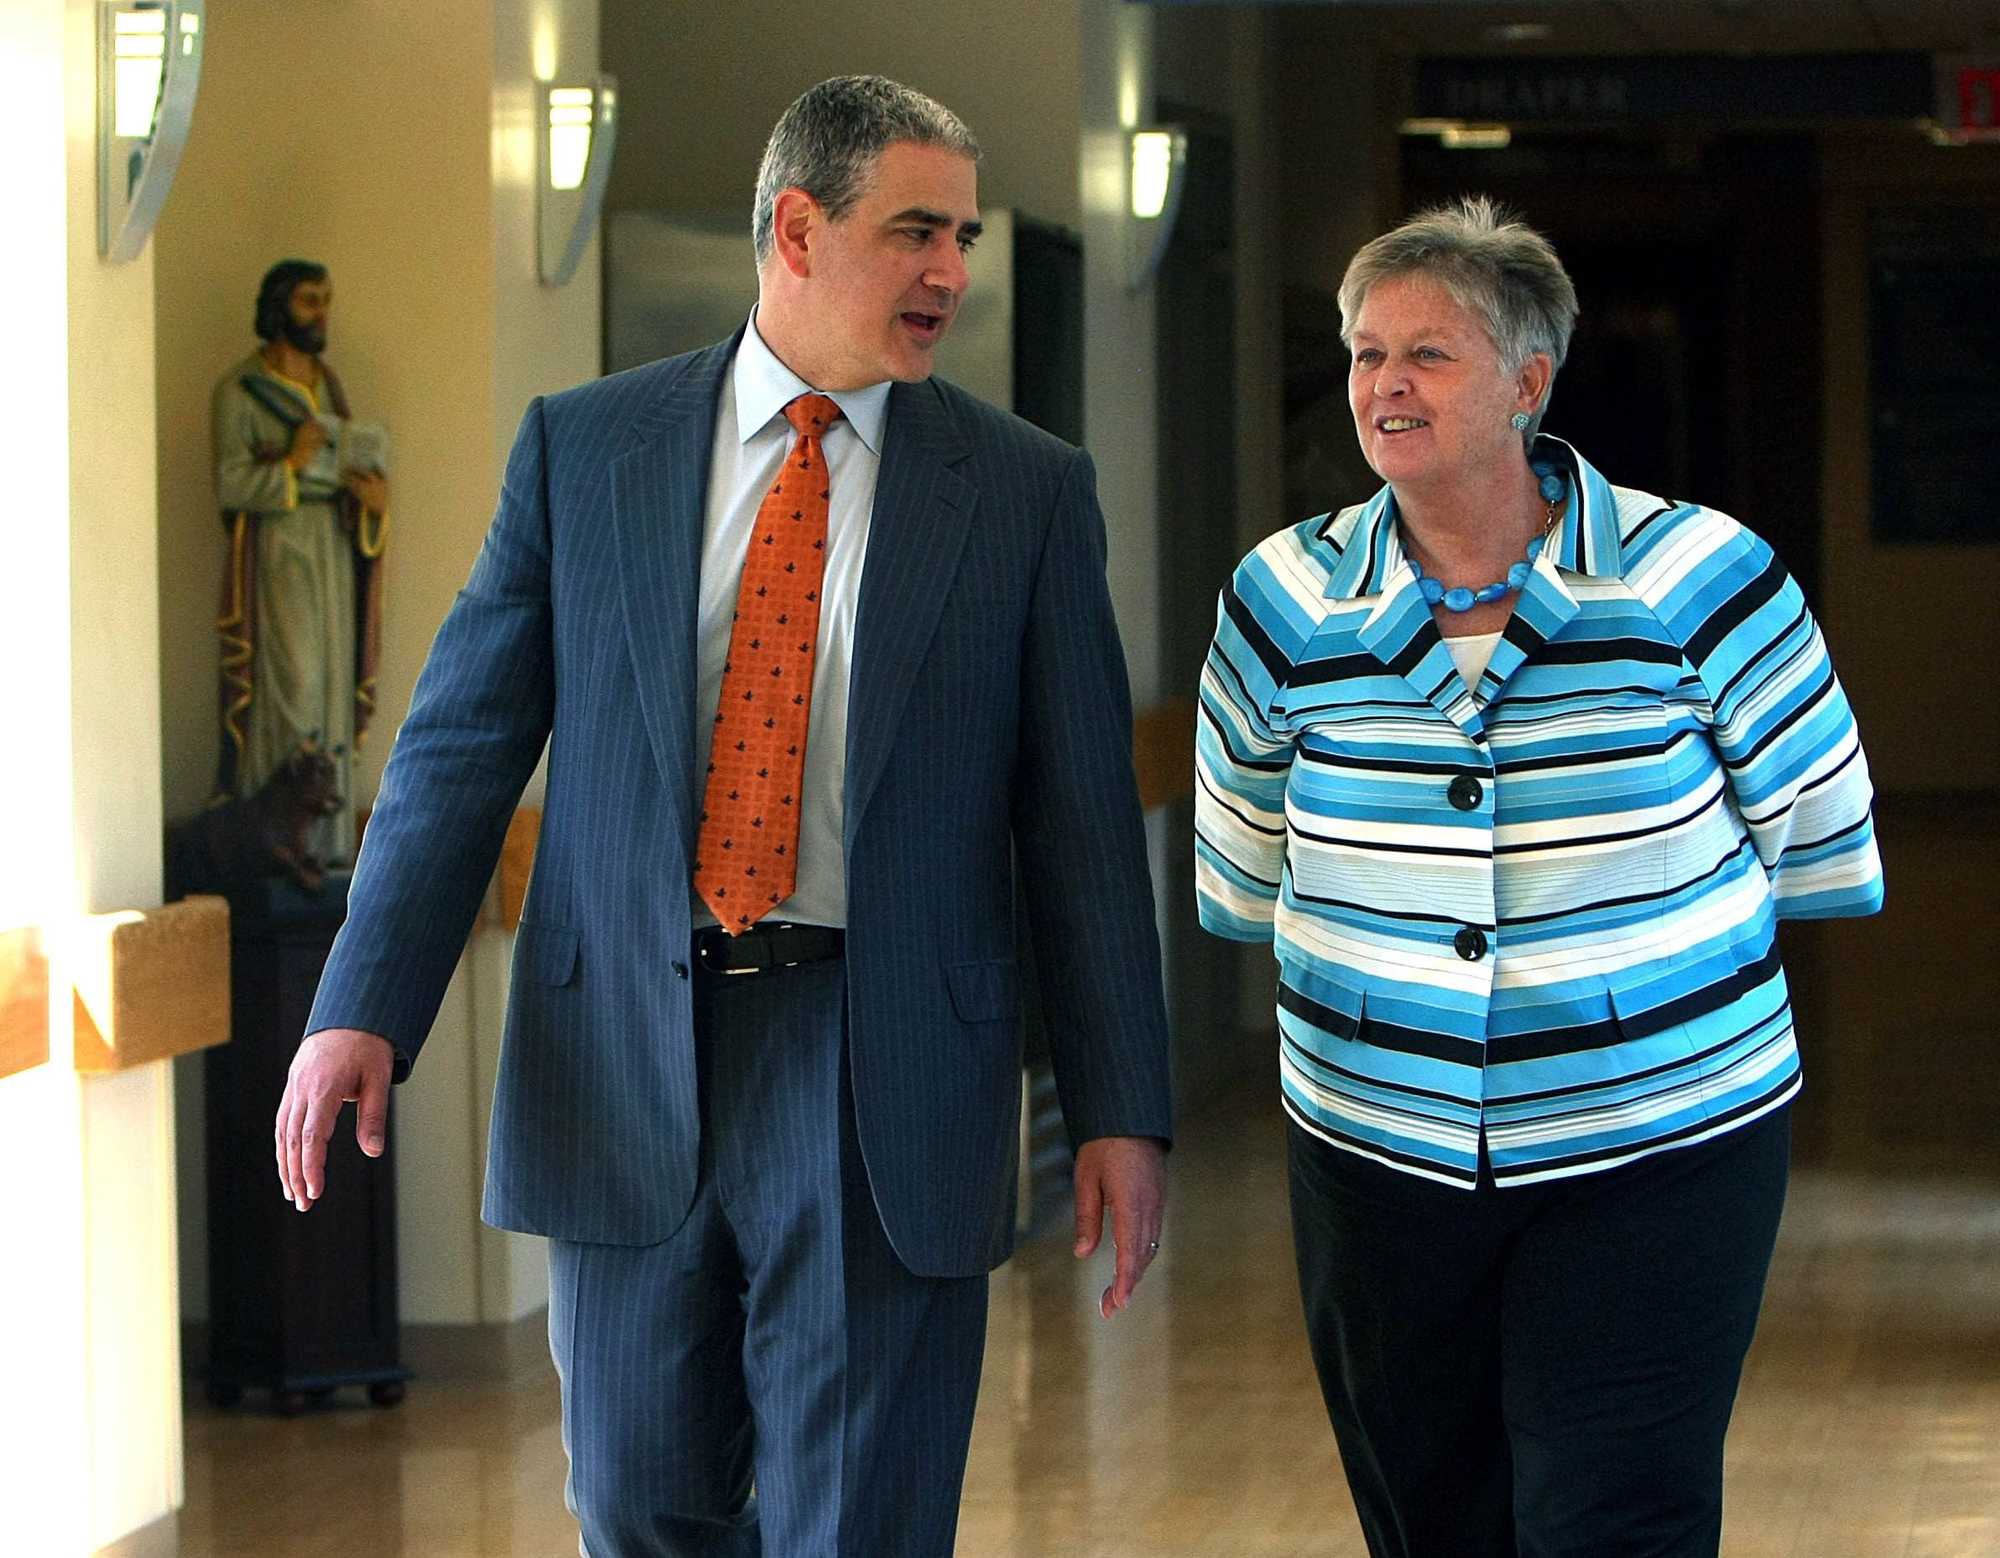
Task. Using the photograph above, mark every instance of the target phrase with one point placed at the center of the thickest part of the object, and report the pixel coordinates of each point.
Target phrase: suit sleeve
(1080, 839)
(478, 720)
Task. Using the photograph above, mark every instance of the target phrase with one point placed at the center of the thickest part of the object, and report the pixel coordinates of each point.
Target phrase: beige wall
(406, 162)
(377, 166)
(1921, 733)
(705, 83)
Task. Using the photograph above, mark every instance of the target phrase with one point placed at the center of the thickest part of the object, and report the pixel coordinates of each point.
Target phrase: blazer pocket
(546, 954)
(985, 991)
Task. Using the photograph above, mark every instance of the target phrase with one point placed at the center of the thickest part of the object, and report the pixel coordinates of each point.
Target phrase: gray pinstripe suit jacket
(988, 709)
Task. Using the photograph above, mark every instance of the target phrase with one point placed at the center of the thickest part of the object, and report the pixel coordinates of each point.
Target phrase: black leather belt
(765, 948)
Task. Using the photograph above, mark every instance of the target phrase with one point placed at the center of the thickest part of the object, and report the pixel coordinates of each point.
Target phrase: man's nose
(950, 273)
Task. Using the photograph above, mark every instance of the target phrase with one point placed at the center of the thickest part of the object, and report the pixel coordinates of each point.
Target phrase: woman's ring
(1153, 1248)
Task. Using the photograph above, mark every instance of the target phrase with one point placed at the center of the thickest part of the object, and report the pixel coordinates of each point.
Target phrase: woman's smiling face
(1430, 395)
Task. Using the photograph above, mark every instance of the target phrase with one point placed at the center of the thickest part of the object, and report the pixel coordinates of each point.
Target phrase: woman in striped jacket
(1517, 770)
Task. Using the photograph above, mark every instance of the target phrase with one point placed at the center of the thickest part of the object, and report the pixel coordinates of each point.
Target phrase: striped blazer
(1541, 910)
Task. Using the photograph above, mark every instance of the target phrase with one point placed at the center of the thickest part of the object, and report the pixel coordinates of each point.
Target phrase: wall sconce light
(1159, 177)
(148, 66)
(578, 133)
(1457, 135)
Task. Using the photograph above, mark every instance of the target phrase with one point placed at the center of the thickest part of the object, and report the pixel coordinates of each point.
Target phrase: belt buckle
(724, 944)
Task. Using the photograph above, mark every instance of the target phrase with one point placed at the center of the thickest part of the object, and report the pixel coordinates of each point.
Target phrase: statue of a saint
(304, 493)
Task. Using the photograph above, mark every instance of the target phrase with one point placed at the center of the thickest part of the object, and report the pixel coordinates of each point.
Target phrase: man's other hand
(1126, 1176)
(333, 1067)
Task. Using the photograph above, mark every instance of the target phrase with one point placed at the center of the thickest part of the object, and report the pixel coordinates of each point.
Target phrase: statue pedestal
(299, 1304)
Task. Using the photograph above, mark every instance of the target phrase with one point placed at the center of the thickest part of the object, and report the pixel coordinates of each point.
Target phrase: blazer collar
(1371, 559)
(1399, 629)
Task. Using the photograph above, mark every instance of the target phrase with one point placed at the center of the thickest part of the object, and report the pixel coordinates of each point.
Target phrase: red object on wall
(1979, 97)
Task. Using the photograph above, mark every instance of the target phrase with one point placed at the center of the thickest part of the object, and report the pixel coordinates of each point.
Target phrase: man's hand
(308, 438)
(1125, 1175)
(333, 1067)
(372, 489)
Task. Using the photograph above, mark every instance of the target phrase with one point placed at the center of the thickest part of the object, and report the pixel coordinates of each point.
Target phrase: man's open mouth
(924, 324)
(1401, 424)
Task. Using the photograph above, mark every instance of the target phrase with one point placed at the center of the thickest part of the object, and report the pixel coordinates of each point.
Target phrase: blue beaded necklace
(1553, 489)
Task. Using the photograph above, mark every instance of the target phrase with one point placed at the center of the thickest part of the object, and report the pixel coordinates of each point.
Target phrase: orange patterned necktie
(746, 855)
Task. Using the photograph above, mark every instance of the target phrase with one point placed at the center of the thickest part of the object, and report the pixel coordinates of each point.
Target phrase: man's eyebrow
(930, 218)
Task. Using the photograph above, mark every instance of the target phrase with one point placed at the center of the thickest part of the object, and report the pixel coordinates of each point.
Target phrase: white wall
(132, 1394)
(90, 1444)
(42, 1425)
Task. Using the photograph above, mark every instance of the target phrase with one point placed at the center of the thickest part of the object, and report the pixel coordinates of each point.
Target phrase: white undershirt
(751, 437)
(1472, 652)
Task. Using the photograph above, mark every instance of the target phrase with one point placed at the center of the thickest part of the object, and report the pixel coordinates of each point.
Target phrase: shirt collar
(765, 386)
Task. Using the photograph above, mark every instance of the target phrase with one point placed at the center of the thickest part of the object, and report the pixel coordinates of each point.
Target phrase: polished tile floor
(1869, 1425)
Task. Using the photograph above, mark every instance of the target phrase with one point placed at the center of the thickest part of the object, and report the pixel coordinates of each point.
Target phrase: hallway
(1869, 1425)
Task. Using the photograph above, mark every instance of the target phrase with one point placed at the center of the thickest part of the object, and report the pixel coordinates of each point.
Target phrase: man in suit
(819, 646)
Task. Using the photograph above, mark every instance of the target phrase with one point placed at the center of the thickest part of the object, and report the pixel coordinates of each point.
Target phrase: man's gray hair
(1493, 265)
(826, 143)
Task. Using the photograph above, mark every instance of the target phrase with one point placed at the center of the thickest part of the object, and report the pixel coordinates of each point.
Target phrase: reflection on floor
(1869, 1423)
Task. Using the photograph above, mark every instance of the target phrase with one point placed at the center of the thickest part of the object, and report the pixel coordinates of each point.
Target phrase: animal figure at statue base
(238, 842)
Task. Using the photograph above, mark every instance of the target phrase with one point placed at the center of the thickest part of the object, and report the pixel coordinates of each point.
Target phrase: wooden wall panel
(152, 984)
(1163, 752)
(24, 1001)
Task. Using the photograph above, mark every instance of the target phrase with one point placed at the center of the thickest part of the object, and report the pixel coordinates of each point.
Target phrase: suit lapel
(917, 530)
(659, 492)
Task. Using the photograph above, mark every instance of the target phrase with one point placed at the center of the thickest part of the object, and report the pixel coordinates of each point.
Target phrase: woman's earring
(1520, 419)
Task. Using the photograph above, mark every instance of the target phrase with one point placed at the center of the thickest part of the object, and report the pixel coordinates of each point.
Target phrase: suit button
(1465, 792)
(680, 969)
(1471, 943)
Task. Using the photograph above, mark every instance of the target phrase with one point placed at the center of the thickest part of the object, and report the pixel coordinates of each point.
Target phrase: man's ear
(796, 219)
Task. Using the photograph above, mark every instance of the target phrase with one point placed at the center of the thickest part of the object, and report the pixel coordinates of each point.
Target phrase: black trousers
(1545, 1371)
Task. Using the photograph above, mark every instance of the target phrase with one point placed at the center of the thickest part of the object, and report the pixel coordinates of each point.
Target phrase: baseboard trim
(498, 1351)
(156, 1539)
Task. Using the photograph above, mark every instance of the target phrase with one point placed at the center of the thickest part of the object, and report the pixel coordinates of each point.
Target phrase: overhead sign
(1641, 88)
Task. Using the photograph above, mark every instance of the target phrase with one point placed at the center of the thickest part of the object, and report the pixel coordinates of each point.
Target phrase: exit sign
(1969, 98)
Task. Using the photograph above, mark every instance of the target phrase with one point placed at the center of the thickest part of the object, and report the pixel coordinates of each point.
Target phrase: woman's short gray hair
(1493, 265)
(826, 143)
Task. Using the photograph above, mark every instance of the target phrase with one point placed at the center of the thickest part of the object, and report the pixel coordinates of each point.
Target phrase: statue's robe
(301, 600)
